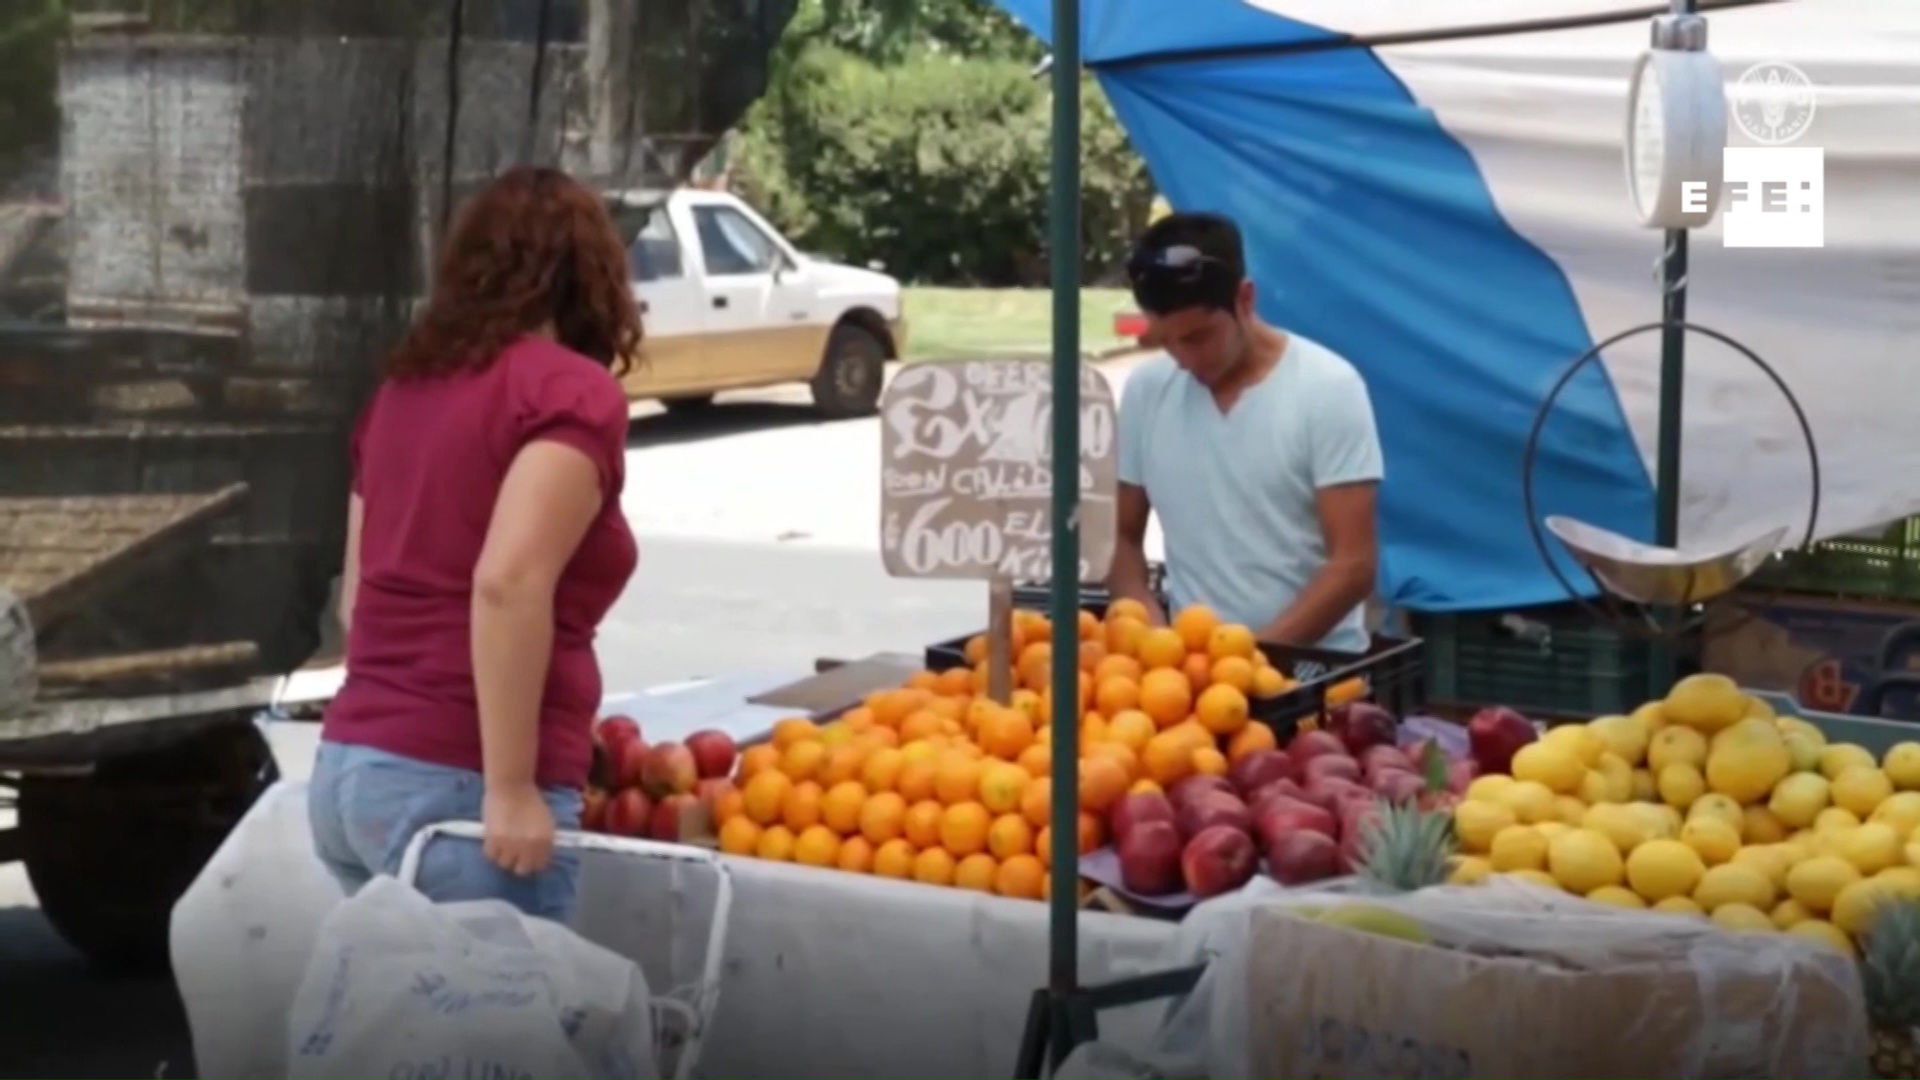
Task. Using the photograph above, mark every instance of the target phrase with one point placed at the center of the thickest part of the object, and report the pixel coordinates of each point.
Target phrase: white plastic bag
(401, 987)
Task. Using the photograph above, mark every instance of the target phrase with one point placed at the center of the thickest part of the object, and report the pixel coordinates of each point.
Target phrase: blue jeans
(366, 805)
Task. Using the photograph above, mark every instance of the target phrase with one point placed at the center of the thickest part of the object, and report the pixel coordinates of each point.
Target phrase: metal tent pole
(1673, 379)
(1064, 212)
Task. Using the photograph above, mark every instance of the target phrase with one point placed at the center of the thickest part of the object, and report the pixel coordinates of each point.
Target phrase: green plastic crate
(1883, 568)
(1561, 665)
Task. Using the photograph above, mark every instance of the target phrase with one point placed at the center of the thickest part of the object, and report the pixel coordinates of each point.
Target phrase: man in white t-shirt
(1255, 447)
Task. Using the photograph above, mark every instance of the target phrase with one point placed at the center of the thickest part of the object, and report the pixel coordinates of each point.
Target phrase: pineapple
(1890, 973)
(1403, 847)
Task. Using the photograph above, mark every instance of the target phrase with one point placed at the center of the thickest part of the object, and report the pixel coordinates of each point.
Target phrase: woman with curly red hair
(485, 543)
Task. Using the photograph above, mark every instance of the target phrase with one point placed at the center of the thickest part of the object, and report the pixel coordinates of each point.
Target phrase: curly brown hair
(531, 249)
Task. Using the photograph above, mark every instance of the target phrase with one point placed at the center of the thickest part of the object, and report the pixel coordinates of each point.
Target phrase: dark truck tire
(110, 853)
(851, 373)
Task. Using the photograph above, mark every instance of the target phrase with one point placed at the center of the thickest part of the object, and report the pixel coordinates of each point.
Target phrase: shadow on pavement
(718, 421)
(60, 1019)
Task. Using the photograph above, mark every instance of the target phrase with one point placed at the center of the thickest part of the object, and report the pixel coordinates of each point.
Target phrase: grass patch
(947, 323)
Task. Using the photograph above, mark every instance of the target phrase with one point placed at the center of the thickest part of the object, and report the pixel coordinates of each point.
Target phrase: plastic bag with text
(401, 987)
(1511, 980)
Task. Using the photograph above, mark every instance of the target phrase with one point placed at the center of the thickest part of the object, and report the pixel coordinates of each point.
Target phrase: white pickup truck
(729, 303)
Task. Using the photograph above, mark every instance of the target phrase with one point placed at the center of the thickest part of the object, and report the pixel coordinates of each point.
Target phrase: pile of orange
(935, 782)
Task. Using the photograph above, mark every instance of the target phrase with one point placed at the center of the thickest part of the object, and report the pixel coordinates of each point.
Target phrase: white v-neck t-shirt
(1234, 492)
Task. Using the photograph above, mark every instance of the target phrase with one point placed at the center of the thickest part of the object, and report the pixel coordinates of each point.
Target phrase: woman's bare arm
(350, 563)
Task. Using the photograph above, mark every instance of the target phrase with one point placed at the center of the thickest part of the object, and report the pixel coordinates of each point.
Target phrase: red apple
(1150, 859)
(1303, 857)
(1212, 808)
(593, 811)
(1375, 758)
(1362, 724)
(1278, 788)
(1328, 791)
(1397, 785)
(1459, 774)
(713, 753)
(680, 819)
(630, 766)
(1328, 766)
(629, 813)
(1496, 734)
(669, 770)
(1280, 815)
(712, 792)
(617, 728)
(1218, 860)
(1137, 809)
(1312, 744)
(1184, 791)
(1356, 820)
(1260, 768)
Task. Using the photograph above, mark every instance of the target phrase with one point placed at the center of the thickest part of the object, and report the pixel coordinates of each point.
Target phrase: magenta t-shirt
(429, 456)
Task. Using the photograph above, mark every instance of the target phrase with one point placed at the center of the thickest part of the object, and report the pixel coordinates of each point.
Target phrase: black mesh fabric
(215, 215)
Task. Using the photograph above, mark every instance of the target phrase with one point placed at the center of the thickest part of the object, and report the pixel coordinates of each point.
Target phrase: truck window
(654, 254)
(733, 245)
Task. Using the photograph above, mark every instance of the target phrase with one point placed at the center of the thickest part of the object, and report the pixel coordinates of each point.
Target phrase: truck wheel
(110, 853)
(848, 382)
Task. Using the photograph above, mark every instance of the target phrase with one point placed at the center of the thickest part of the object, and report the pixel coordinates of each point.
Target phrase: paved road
(758, 529)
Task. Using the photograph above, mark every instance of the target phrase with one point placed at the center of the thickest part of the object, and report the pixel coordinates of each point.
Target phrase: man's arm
(1346, 513)
(1127, 578)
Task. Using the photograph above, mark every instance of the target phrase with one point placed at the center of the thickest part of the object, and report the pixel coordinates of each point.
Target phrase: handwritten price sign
(966, 477)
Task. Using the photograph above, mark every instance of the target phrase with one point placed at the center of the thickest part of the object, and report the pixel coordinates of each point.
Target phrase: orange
(1089, 838)
(729, 805)
(1091, 654)
(1005, 733)
(755, 760)
(1038, 758)
(803, 760)
(840, 807)
(1034, 665)
(1208, 761)
(843, 763)
(859, 718)
(1168, 759)
(793, 730)
(1009, 835)
(957, 779)
(1144, 786)
(920, 724)
(1093, 730)
(1118, 753)
(913, 750)
(776, 843)
(1161, 647)
(921, 823)
(1198, 668)
(1115, 695)
(836, 735)
(878, 736)
(976, 872)
(1021, 877)
(1001, 786)
(739, 836)
(954, 681)
(920, 680)
(1347, 690)
(1036, 802)
(1234, 671)
(802, 808)
(1249, 739)
(1131, 729)
(1268, 682)
(883, 818)
(765, 796)
(816, 846)
(1124, 635)
(894, 859)
(1231, 639)
(976, 649)
(1117, 667)
(1127, 607)
(1092, 833)
(1088, 625)
(933, 867)
(1166, 696)
(1221, 709)
(916, 780)
(963, 828)
(1196, 625)
(882, 768)
(1102, 782)
(892, 706)
(856, 855)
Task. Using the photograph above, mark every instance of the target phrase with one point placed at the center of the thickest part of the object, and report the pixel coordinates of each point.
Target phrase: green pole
(1664, 667)
(1063, 966)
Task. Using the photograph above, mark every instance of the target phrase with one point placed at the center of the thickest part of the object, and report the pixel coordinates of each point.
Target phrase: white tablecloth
(828, 974)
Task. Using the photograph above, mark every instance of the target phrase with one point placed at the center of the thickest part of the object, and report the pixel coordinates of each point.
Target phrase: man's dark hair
(1187, 260)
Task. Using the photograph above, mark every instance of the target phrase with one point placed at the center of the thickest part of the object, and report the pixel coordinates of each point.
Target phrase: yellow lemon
(1772, 860)
(1567, 810)
(1676, 746)
(1825, 933)
(1836, 758)
(1530, 801)
(1469, 870)
(1871, 848)
(1584, 744)
(1903, 881)
(1746, 760)
(1680, 783)
(1789, 912)
(1618, 823)
(1678, 905)
(1645, 787)
(1487, 788)
(1518, 847)
(1714, 840)
(1623, 737)
(1582, 860)
(1734, 884)
(1658, 869)
(1900, 810)
(1798, 799)
(1902, 765)
(1476, 822)
(1705, 702)
(1793, 725)
(1720, 807)
(1649, 716)
(1861, 789)
(1741, 917)
(1615, 896)
(1551, 829)
(1817, 881)
(1758, 709)
(1834, 819)
(1761, 827)
(1857, 904)
(1557, 767)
